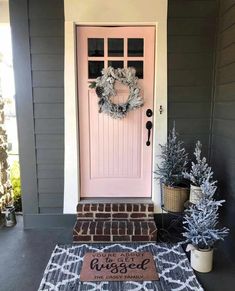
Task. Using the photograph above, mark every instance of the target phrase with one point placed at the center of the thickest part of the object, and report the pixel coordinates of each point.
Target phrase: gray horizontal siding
(47, 45)
(49, 141)
(190, 26)
(46, 27)
(46, 31)
(51, 9)
(225, 6)
(226, 55)
(48, 95)
(48, 110)
(223, 144)
(191, 43)
(46, 79)
(24, 104)
(48, 156)
(50, 185)
(227, 19)
(226, 74)
(225, 110)
(193, 126)
(191, 9)
(223, 134)
(51, 210)
(190, 78)
(56, 171)
(225, 92)
(47, 62)
(187, 111)
(190, 61)
(50, 171)
(224, 128)
(177, 94)
(51, 200)
(49, 126)
(226, 37)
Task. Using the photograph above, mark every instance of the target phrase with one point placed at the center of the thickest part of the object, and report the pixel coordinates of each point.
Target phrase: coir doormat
(64, 268)
(118, 266)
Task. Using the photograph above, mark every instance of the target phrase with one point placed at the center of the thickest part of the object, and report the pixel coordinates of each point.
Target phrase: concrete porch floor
(24, 255)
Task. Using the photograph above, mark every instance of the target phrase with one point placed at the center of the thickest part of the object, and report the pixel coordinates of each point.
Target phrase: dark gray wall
(191, 43)
(38, 53)
(223, 130)
(46, 35)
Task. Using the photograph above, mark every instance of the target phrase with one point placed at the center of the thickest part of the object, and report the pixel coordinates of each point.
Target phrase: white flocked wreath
(105, 89)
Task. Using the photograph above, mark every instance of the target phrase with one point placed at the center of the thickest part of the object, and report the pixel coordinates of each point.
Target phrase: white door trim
(71, 157)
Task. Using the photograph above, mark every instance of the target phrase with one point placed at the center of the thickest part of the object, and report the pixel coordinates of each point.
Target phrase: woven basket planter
(174, 198)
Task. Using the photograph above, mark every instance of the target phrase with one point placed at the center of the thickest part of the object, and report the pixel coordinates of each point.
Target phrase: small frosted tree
(201, 220)
(200, 171)
(173, 160)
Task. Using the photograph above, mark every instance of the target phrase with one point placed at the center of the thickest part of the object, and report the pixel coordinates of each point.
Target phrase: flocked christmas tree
(200, 171)
(173, 160)
(201, 220)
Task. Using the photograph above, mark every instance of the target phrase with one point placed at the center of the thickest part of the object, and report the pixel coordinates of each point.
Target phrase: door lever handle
(149, 126)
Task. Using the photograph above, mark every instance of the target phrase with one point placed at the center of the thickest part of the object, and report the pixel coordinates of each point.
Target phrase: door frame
(71, 156)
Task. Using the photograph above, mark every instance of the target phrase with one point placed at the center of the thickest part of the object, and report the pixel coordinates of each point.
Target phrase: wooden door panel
(114, 158)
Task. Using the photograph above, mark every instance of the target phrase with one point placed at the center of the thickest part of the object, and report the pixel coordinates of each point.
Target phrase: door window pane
(94, 69)
(95, 47)
(115, 64)
(135, 47)
(138, 65)
(115, 47)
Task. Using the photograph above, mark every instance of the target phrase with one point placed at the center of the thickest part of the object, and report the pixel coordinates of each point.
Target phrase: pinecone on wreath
(120, 109)
(99, 91)
(101, 103)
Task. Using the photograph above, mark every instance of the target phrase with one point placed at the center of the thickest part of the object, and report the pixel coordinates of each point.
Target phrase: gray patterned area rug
(64, 266)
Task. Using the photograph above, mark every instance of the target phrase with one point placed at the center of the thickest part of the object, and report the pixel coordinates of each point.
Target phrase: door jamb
(72, 162)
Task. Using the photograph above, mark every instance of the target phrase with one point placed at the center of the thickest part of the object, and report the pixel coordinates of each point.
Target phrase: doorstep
(114, 221)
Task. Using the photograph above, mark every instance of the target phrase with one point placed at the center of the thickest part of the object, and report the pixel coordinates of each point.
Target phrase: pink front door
(114, 158)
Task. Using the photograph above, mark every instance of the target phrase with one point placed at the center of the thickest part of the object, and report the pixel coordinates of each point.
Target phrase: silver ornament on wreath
(104, 88)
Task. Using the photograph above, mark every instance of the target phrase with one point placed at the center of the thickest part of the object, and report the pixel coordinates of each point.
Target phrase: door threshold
(115, 200)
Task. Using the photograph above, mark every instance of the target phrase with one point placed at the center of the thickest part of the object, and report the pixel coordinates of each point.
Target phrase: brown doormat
(119, 266)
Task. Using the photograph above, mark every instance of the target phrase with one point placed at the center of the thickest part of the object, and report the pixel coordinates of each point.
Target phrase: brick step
(115, 211)
(114, 231)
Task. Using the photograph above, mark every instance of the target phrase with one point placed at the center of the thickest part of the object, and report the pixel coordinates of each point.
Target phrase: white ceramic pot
(202, 260)
(195, 194)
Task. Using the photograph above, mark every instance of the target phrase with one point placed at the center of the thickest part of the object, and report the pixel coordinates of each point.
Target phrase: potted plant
(201, 231)
(170, 172)
(199, 172)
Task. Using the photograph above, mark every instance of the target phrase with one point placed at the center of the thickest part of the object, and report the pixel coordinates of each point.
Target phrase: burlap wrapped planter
(174, 198)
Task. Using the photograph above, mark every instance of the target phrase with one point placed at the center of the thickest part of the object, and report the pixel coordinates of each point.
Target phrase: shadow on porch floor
(24, 255)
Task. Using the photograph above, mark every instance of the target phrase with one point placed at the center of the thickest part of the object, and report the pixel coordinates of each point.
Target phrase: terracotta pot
(174, 198)
(195, 194)
(202, 260)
